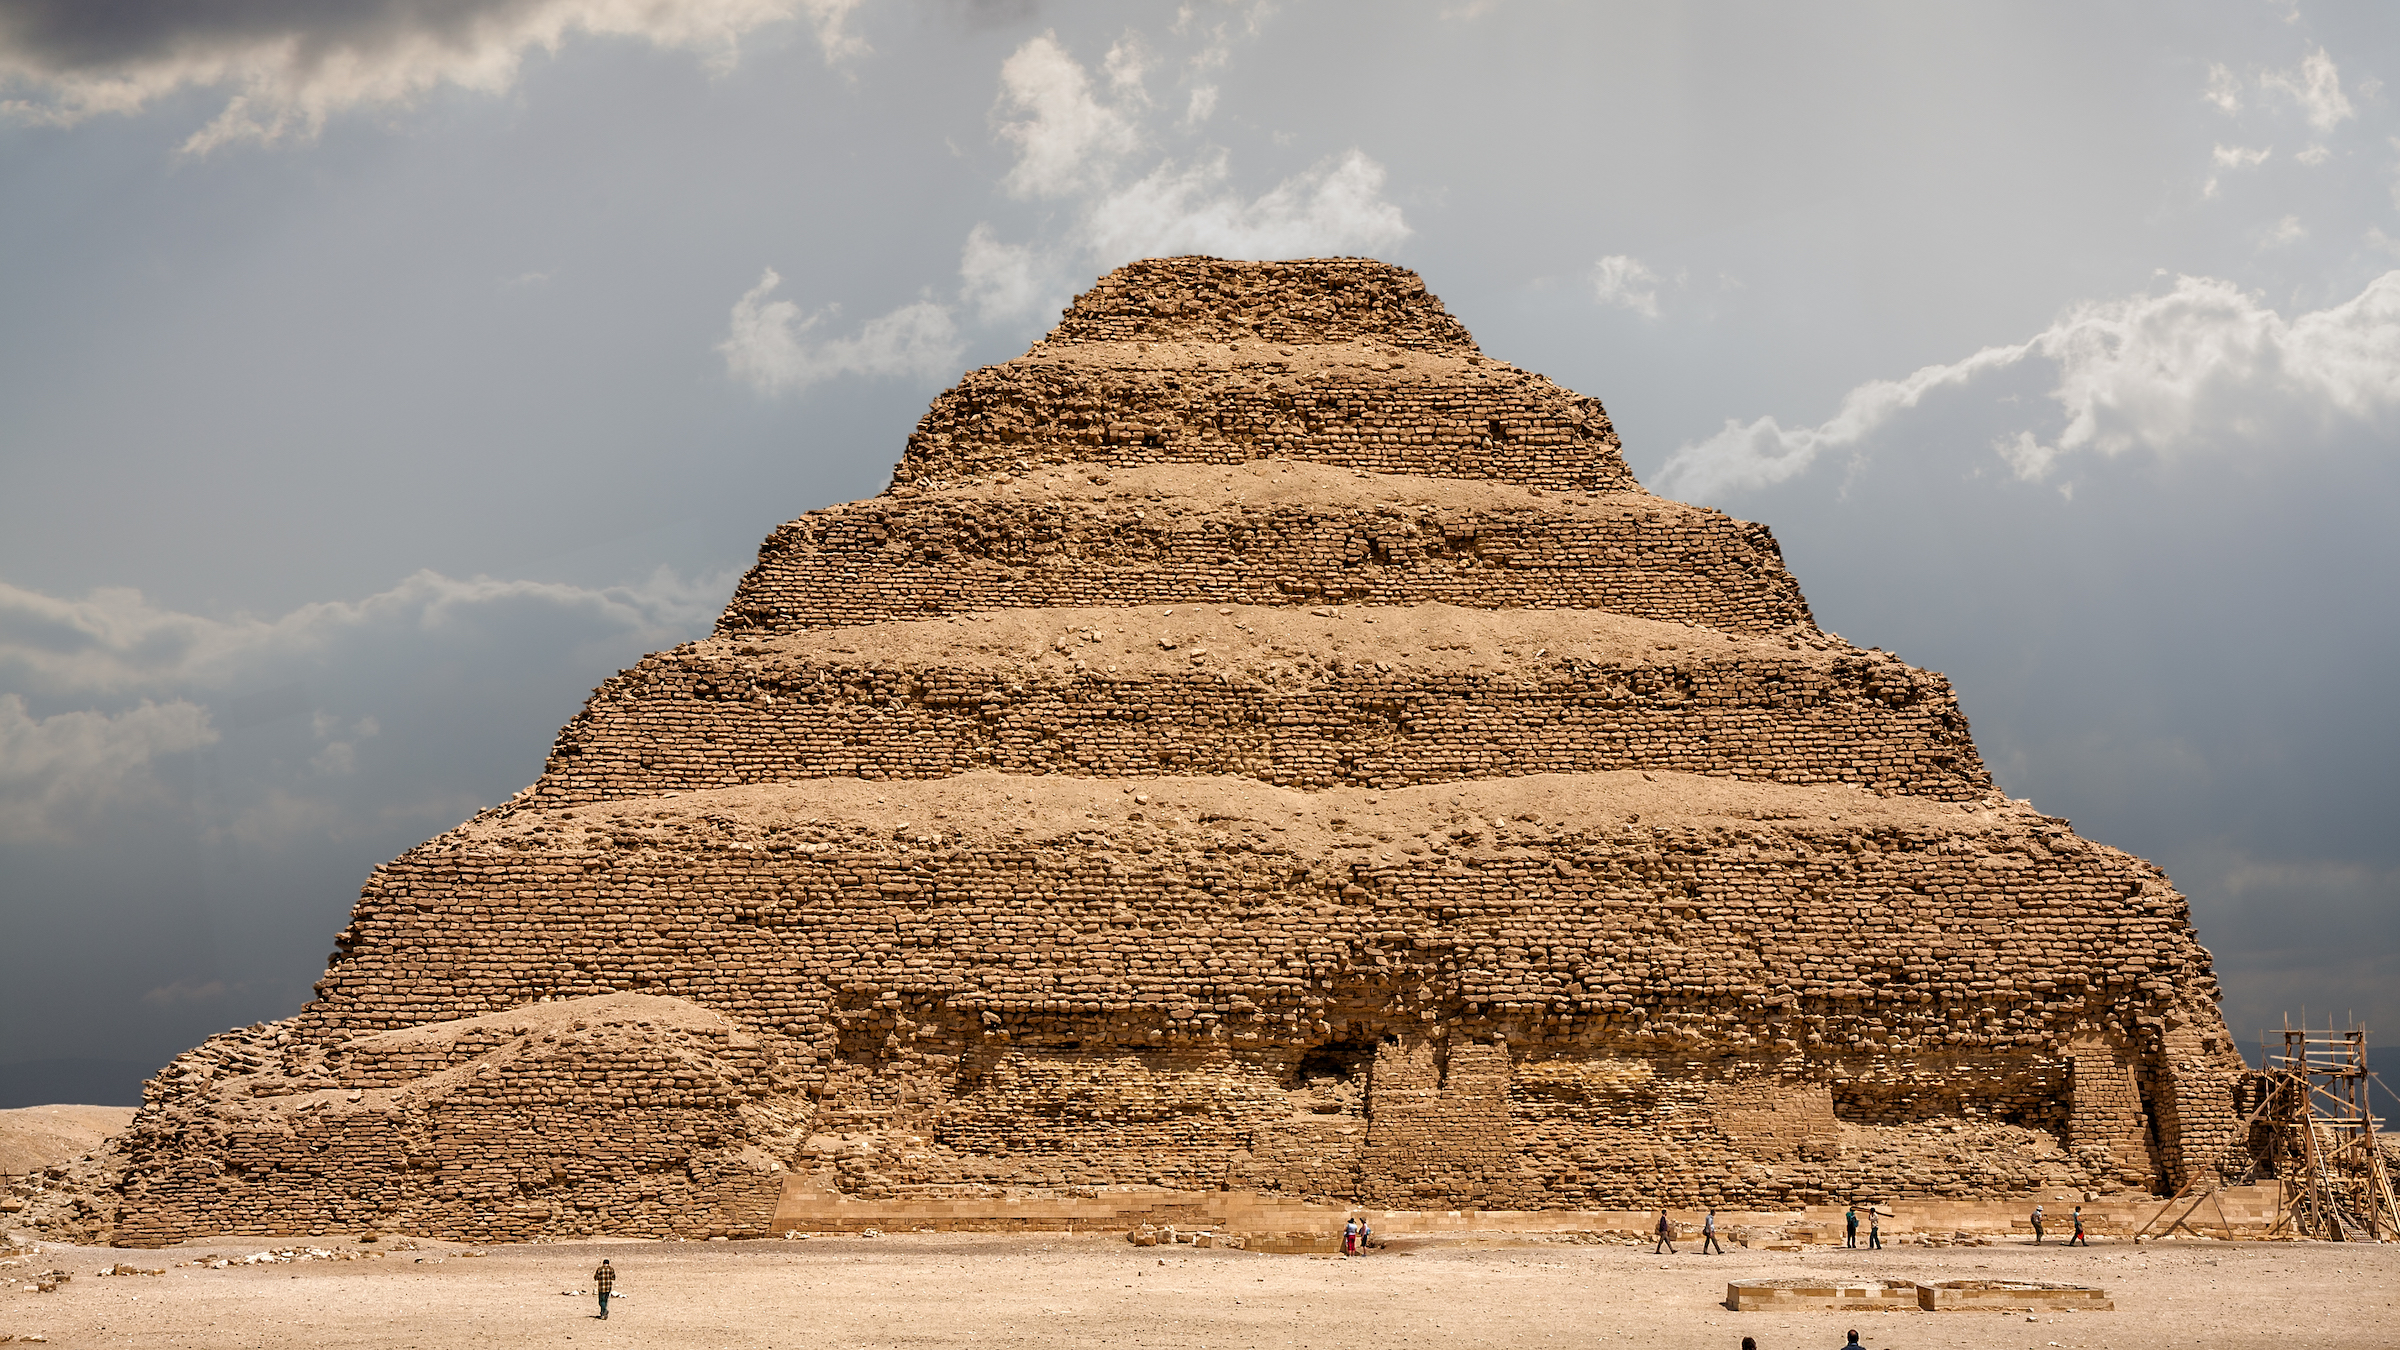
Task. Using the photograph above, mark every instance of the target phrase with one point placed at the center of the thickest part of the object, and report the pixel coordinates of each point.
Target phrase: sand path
(968, 1290)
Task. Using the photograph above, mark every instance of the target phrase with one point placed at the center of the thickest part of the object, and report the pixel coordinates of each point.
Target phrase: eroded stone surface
(1258, 742)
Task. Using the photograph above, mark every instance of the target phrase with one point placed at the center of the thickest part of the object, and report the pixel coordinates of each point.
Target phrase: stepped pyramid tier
(1258, 742)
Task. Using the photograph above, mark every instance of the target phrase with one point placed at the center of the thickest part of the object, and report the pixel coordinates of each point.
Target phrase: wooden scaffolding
(2321, 1137)
(2310, 1125)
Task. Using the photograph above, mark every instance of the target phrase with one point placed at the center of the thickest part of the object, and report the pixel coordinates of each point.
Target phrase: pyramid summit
(1258, 744)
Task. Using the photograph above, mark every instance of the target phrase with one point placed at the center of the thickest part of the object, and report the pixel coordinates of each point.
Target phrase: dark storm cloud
(91, 35)
(290, 64)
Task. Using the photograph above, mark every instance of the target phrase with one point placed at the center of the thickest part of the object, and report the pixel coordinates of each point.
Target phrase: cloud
(2224, 89)
(2239, 157)
(1002, 281)
(765, 348)
(2205, 364)
(2288, 230)
(1203, 105)
(295, 709)
(2316, 86)
(56, 772)
(1626, 283)
(1067, 139)
(1073, 144)
(115, 643)
(1127, 62)
(1335, 206)
(185, 992)
(292, 67)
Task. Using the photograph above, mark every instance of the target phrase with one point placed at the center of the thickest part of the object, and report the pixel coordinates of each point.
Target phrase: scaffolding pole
(2321, 1137)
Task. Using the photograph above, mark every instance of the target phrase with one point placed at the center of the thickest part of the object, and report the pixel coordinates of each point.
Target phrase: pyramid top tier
(1313, 300)
(1342, 362)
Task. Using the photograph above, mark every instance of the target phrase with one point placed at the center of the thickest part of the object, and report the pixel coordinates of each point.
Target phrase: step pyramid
(1260, 742)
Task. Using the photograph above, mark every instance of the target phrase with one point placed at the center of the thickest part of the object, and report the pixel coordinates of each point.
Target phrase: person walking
(1666, 1236)
(604, 1280)
(1708, 1235)
(2037, 1225)
(1850, 1226)
(2079, 1240)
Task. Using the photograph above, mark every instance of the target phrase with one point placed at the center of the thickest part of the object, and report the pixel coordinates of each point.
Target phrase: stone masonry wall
(896, 960)
(627, 1114)
(1365, 408)
(724, 714)
(924, 554)
(1211, 299)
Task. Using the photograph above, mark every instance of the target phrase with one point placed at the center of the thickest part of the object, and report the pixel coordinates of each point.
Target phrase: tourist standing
(1874, 1229)
(2037, 1225)
(604, 1279)
(1350, 1237)
(2079, 1240)
(1708, 1235)
(1850, 1227)
(1666, 1236)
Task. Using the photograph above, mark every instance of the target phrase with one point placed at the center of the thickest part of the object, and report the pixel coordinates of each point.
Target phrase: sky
(377, 376)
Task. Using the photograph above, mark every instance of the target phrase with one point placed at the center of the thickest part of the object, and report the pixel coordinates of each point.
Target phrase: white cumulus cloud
(2203, 365)
(1093, 146)
(289, 68)
(1001, 280)
(767, 344)
(1067, 139)
(2316, 86)
(56, 771)
(1336, 206)
(1626, 283)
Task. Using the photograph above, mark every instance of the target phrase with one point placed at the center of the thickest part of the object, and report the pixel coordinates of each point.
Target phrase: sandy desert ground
(33, 1137)
(973, 1290)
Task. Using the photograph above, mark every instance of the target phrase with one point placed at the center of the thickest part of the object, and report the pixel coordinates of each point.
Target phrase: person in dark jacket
(1666, 1236)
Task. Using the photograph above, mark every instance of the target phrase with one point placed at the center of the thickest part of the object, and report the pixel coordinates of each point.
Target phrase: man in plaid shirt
(604, 1279)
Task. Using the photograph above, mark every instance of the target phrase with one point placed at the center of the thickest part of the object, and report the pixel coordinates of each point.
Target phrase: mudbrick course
(1257, 743)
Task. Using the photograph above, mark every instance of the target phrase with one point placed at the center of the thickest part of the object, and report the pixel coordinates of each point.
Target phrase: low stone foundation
(1838, 1295)
(2011, 1296)
(1820, 1293)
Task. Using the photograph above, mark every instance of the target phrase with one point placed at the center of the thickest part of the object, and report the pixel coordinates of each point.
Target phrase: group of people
(2079, 1240)
(1354, 1237)
(1708, 1235)
(1874, 1227)
(1708, 1230)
